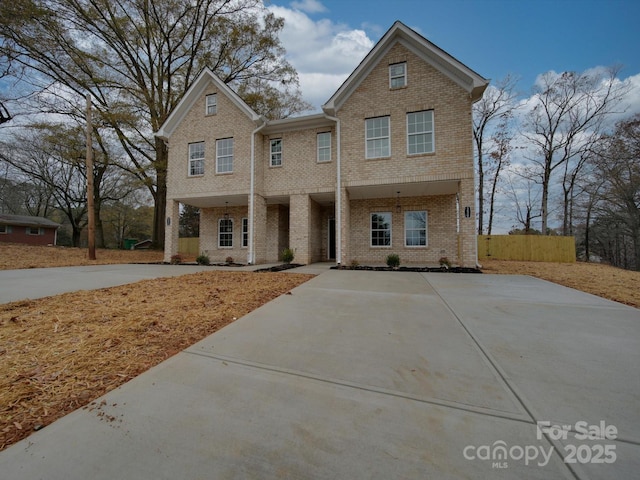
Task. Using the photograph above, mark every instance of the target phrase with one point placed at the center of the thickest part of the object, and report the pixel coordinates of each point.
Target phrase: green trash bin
(129, 243)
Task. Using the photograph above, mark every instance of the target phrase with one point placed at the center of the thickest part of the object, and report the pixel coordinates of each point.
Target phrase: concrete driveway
(375, 375)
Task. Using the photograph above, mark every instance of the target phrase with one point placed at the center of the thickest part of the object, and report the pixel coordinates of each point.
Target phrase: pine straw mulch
(598, 279)
(60, 353)
(15, 256)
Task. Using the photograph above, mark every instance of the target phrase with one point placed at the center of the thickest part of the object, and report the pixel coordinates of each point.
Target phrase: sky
(326, 39)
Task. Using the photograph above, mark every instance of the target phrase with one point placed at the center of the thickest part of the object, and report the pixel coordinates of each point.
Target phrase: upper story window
(224, 155)
(196, 159)
(420, 132)
(415, 228)
(398, 75)
(225, 233)
(377, 137)
(324, 147)
(381, 229)
(212, 104)
(276, 152)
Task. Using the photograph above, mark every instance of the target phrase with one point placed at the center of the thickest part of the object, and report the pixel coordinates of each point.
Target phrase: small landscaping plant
(229, 260)
(354, 264)
(176, 259)
(202, 259)
(287, 255)
(444, 262)
(393, 260)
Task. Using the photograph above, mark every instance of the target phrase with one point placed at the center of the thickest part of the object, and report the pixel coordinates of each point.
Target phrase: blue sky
(493, 37)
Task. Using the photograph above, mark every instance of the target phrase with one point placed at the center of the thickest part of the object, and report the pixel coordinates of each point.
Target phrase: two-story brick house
(387, 167)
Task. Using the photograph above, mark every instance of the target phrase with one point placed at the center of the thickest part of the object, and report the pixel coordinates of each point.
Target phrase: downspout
(251, 253)
(338, 192)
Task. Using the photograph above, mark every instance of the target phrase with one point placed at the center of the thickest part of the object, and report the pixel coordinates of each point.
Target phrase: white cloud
(323, 52)
(309, 6)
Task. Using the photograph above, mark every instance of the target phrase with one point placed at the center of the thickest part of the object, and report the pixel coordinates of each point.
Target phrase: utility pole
(91, 237)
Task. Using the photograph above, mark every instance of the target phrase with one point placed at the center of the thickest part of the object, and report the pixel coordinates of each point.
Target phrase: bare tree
(525, 196)
(569, 112)
(497, 104)
(138, 57)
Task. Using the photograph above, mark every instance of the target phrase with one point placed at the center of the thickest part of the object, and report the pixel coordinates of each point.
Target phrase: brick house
(387, 167)
(28, 230)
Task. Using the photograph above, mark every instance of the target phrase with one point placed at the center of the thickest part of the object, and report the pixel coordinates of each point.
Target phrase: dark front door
(332, 238)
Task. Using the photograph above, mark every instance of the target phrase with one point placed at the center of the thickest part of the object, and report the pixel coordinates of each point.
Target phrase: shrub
(229, 260)
(393, 260)
(202, 259)
(287, 255)
(444, 262)
(176, 259)
(354, 264)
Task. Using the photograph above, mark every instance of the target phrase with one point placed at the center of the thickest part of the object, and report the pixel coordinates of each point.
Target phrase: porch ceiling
(216, 201)
(418, 189)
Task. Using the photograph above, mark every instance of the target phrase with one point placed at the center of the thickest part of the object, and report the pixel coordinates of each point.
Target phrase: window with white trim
(245, 232)
(415, 228)
(398, 75)
(420, 132)
(196, 159)
(224, 155)
(5, 228)
(381, 229)
(276, 152)
(211, 104)
(378, 141)
(35, 231)
(225, 233)
(324, 147)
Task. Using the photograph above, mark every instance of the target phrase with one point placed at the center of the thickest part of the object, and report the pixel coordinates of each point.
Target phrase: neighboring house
(29, 230)
(386, 168)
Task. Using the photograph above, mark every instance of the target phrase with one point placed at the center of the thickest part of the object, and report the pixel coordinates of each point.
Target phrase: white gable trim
(429, 52)
(193, 94)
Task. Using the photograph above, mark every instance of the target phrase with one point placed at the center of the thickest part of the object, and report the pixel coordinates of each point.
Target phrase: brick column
(299, 221)
(467, 242)
(171, 231)
(259, 229)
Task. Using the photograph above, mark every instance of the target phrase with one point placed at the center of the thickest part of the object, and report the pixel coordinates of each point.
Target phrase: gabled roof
(192, 95)
(26, 221)
(423, 48)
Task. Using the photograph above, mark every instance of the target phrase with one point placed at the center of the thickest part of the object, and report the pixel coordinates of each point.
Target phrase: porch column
(259, 229)
(299, 222)
(172, 223)
(467, 240)
(345, 229)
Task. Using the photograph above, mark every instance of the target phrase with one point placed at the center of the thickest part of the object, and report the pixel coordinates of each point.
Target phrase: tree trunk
(160, 210)
(481, 194)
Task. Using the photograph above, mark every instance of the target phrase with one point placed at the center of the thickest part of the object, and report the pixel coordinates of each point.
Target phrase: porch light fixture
(226, 211)
(398, 206)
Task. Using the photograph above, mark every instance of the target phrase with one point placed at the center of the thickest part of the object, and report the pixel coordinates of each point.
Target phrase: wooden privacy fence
(189, 246)
(535, 248)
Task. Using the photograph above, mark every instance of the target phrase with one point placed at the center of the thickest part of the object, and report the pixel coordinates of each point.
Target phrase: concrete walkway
(374, 375)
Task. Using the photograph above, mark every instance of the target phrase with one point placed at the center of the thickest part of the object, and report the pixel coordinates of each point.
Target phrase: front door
(332, 239)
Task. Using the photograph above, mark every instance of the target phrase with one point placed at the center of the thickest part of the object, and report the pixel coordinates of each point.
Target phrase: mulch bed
(411, 269)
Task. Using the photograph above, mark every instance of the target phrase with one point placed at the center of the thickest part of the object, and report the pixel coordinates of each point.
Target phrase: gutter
(251, 252)
(338, 191)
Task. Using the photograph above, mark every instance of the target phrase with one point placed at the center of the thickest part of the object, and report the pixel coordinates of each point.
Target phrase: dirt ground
(60, 353)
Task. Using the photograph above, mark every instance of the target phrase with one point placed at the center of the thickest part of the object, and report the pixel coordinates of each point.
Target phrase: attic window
(212, 104)
(398, 75)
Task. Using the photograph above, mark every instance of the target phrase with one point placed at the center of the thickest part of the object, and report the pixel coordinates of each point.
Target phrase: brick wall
(19, 234)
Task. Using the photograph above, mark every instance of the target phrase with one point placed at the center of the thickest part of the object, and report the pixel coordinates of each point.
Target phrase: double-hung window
(324, 147)
(398, 75)
(276, 152)
(245, 232)
(225, 233)
(211, 104)
(378, 142)
(196, 159)
(420, 132)
(224, 155)
(5, 228)
(381, 229)
(415, 228)
(35, 231)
